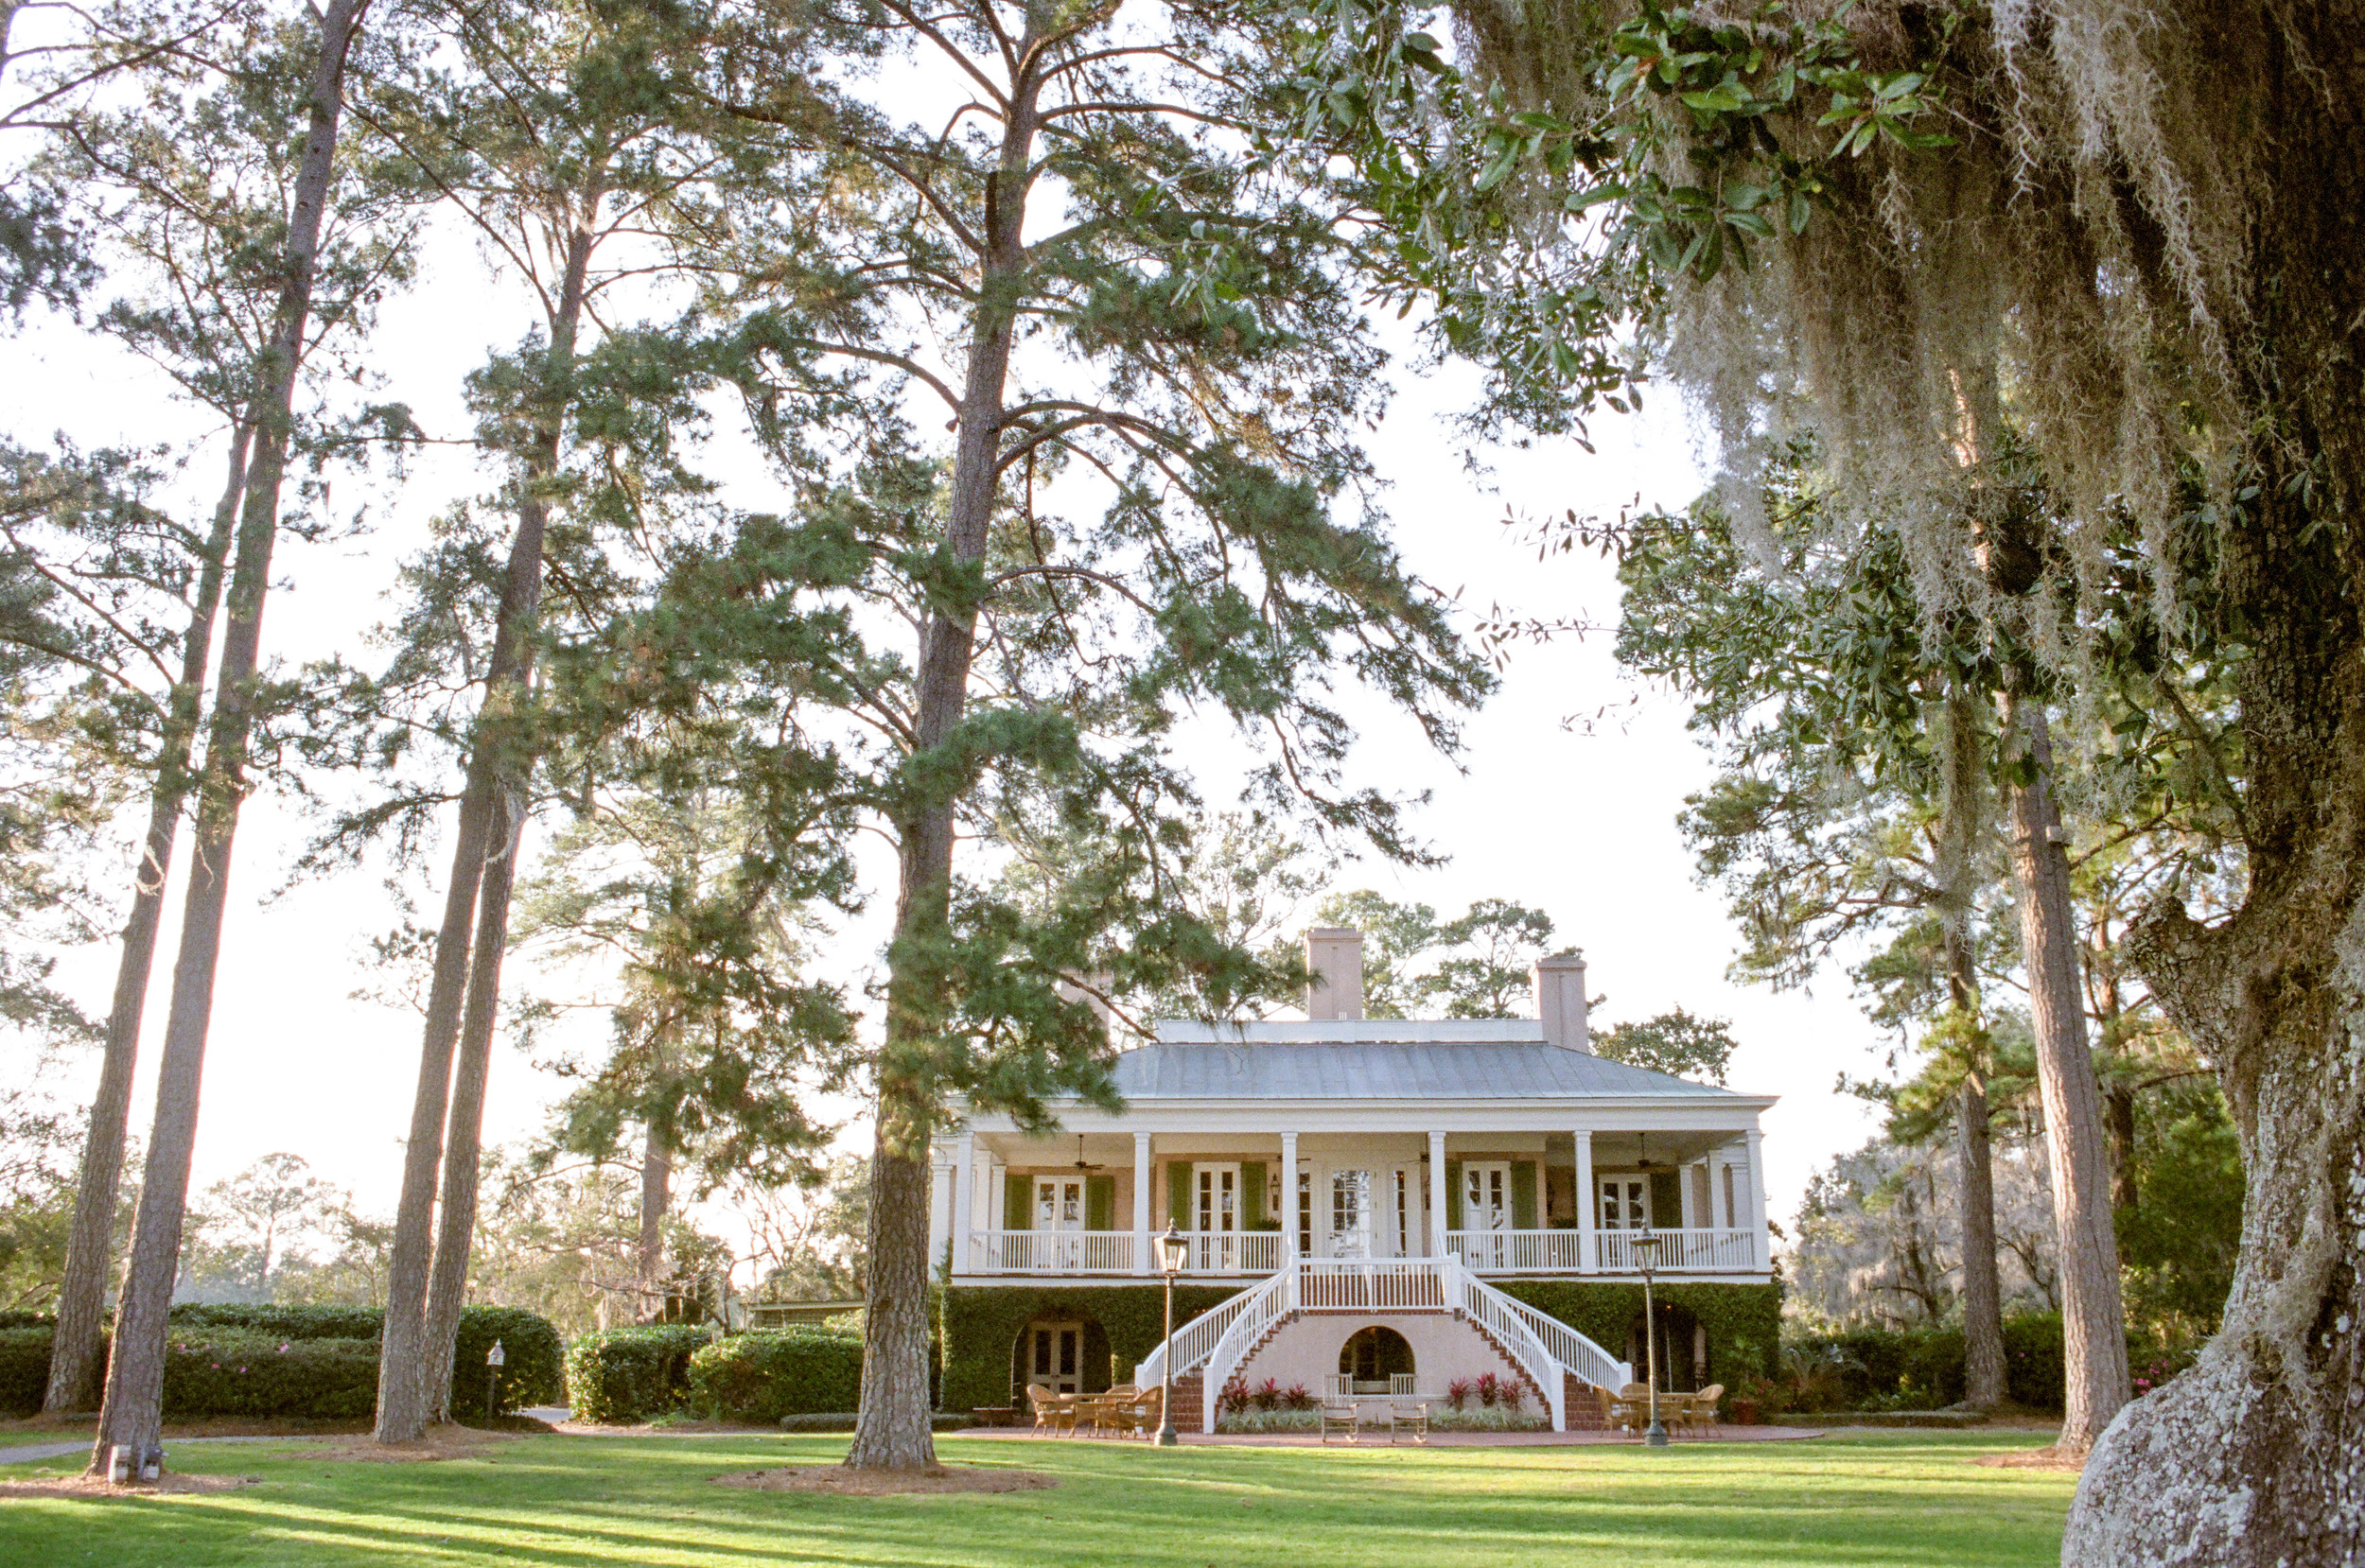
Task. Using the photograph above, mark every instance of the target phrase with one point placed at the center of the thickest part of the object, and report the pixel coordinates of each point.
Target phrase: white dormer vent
(1334, 954)
(1560, 1000)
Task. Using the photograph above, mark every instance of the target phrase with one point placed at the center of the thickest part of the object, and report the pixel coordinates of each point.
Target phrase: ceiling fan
(1642, 1161)
(1081, 1163)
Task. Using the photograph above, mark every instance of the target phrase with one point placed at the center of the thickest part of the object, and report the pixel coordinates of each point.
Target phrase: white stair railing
(1260, 1309)
(1571, 1350)
(1491, 1309)
(1193, 1343)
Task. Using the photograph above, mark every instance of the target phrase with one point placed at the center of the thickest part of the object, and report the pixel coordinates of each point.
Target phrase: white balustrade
(1370, 1284)
(1051, 1251)
(1501, 1318)
(1517, 1251)
(1723, 1250)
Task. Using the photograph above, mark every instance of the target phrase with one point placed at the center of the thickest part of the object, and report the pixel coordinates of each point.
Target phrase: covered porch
(1500, 1200)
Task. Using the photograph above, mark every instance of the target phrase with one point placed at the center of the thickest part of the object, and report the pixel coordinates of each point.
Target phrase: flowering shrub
(1458, 1392)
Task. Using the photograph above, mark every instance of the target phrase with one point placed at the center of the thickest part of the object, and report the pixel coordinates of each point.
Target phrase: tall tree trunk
(132, 1414)
(464, 1147)
(2119, 1117)
(1965, 807)
(1983, 1290)
(2093, 1319)
(893, 1429)
(75, 1362)
(414, 1378)
(657, 1192)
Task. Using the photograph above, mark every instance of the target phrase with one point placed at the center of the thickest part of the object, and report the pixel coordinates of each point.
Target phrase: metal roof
(1430, 1069)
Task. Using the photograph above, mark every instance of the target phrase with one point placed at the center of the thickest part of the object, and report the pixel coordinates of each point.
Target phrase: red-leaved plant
(1458, 1392)
(1268, 1395)
(1298, 1398)
(1490, 1388)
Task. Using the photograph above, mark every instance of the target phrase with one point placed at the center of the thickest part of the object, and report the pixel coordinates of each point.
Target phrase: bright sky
(1578, 820)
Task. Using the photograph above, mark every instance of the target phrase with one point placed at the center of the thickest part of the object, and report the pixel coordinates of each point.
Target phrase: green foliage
(1743, 1322)
(623, 1375)
(1912, 1369)
(530, 1371)
(763, 1377)
(1675, 1043)
(981, 1328)
(233, 1372)
(1474, 966)
(284, 1322)
(23, 1367)
(226, 1359)
(2179, 1239)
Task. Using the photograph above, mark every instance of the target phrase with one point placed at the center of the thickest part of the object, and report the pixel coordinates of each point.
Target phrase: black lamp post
(1171, 1247)
(493, 1361)
(1646, 1258)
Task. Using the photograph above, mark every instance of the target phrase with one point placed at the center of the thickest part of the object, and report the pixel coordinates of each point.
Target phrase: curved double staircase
(1205, 1352)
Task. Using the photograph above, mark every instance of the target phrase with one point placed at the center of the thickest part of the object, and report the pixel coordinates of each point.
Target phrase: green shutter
(1018, 1202)
(1100, 1203)
(1179, 1193)
(1667, 1201)
(1253, 1196)
(1522, 1195)
(1453, 1194)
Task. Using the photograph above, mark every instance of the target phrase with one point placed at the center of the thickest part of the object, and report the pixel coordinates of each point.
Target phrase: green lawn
(579, 1502)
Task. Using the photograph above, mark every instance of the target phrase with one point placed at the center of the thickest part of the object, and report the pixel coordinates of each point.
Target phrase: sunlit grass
(587, 1503)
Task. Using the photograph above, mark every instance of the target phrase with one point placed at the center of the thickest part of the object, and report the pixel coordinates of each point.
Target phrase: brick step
(1190, 1403)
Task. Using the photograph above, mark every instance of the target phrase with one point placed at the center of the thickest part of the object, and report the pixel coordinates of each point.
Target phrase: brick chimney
(1334, 954)
(1560, 1000)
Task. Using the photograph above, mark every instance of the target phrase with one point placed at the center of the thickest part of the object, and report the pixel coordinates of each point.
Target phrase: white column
(940, 1205)
(1689, 1208)
(1588, 1203)
(1753, 1214)
(964, 1197)
(1288, 1198)
(1437, 1194)
(1143, 1263)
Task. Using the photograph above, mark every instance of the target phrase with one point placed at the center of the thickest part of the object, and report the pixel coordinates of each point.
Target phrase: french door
(1486, 1213)
(1625, 1203)
(1215, 1217)
(1055, 1358)
(1059, 1222)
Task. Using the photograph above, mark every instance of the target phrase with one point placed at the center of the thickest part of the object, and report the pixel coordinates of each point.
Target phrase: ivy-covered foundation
(982, 1324)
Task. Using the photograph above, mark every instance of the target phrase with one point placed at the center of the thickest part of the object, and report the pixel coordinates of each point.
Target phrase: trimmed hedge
(229, 1372)
(629, 1374)
(763, 1377)
(1922, 1369)
(23, 1368)
(1743, 1322)
(306, 1322)
(533, 1371)
(326, 1368)
(982, 1324)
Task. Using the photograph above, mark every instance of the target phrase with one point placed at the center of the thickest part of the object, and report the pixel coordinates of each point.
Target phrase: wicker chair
(1699, 1411)
(1054, 1413)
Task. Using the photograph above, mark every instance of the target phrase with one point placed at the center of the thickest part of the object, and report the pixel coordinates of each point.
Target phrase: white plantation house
(1361, 1197)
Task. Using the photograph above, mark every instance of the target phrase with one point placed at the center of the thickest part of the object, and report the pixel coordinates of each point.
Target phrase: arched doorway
(1375, 1354)
(1683, 1349)
(1065, 1351)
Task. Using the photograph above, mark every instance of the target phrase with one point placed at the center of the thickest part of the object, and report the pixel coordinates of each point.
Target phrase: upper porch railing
(1721, 1250)
(1255, 1253)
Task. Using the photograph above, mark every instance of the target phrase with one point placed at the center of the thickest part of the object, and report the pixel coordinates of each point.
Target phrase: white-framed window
(1215, 1199)
(1059, 1203)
